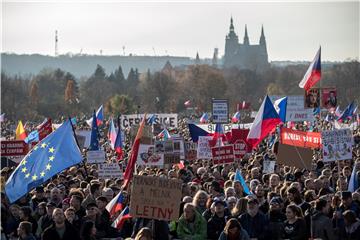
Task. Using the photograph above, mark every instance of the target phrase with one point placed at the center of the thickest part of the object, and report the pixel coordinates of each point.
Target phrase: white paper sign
(203, 148)
(109, 170)
(148, 157)
(168, 119)
(268, 166)
(97, 156)
(295, 111)
(337, 144)
(220, 111)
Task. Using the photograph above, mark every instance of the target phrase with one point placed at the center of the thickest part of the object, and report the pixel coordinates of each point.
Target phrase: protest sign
(14, 148)
(294, 156)
(204, 150)
(168, 119)
(167, 148)
(312, 98)
(86, 134)
(179, 146)
(148, 157)
(155, 198)
(94, 157)
(109, 170)
(328, 98)
(337, 144)
(295, 111)
(299, 138)
(268, 166)
(190, 150)
(241, 146)
(220, 111)
(223, 154)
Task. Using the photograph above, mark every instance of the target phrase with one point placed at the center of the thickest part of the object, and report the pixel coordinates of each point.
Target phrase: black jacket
(51, 234)
(215, 226)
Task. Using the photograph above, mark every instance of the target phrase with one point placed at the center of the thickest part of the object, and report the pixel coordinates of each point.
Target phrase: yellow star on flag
(42, 174)
(24, 169)
(48, 166)
(51, 150)
(34, 177)
(36, 147)
(27, 175)
(43, 145)
(51, 158)
(23, 162)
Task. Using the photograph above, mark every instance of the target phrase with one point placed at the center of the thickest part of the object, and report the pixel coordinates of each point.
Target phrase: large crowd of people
(289, 203)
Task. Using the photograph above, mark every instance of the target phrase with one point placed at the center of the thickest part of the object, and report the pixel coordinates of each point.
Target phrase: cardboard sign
(155, 198)
(299, 138)
(168, 119)
(223, 155)
(204, 150)
(14, 148)
(94, 157)
(220, 111)
(337, 144)
(109, 170)
(147, 156)
(268, 166)
(294, 156)
(328, 98)
(190, 150)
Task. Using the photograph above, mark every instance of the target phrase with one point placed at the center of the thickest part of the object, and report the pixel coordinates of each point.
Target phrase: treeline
(56, 93)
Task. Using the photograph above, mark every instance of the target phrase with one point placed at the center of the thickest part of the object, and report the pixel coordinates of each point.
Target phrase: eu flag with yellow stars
(52, 155)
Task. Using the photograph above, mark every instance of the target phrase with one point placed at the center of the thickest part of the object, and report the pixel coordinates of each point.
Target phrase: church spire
(197, 59)
(246, 37)
(231, 24)
(262, 37)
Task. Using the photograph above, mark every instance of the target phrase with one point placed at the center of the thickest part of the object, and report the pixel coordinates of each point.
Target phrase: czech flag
(265, 122)
(20, 133)
(348, 112)
(338, 111)
(196, 131)
(236, 117)
(118, 143)
(218, 136)
(313, 74)
(45, 128)
(120, 220)
(116, 204)
(280, 107)
(164, 134)
(112, 134)
(204, 118)
(99, 117)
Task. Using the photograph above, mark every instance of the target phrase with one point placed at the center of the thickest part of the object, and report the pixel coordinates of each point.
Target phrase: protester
(25, 231)
(233, 230)
(191, 224)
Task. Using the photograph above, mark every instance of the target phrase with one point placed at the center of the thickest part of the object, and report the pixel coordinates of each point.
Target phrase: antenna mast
(56, 43)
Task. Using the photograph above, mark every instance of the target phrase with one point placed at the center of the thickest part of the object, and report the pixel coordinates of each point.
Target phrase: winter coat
(255, 226)
(197, 232)
(51, 234)
(351, 232)
(322, 226)
(215, 226)
(243, 235)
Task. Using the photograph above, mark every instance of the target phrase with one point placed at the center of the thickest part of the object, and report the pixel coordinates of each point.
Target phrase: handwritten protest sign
(224, 154)
(96, 156)
(190, 150)
(155, 198)
(204, 150)
(337, 144)
(110, 170)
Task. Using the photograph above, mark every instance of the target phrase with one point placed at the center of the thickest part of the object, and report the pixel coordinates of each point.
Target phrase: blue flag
(239, 178)
(52, 155)
(94, 142)
(353, 182)
(280, 107)
(32, 137)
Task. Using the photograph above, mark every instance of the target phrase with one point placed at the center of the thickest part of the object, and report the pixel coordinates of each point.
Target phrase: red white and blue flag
(313, 74)
(164, 134)
(118, 143)
(236, 117)
(116, 204)
(265, 122)
(99, 117)
(219, 136)
(204, 118)
(120, 220)
(112, 134)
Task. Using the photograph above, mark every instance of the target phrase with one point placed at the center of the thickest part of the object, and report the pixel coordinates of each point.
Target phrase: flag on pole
(45, 128)
(99, 117)
(204, 118)
(120, 220)
(280, 107)
(354, 181)
(133, 156)
(20, 133)
(196, 132)
(50, 156)
(32, 137)
(94, 141)
(313, 74)
(239, 178)
(118, 142)
(236, 117)
(164, 134)
(219, 136)
(337, 112)
(187, 103)
(347, 113)
(151, 119)
(265, 122)
(116, 204)
(112, 134)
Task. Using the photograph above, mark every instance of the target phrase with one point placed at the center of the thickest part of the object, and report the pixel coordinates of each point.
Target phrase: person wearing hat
(254, 221)
(218, 220)
(93, 214)
(276, 217)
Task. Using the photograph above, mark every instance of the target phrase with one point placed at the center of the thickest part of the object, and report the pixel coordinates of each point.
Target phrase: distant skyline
(293, 31)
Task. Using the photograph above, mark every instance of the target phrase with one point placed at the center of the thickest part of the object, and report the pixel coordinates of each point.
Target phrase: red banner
(300, 139)
(14, 148)
(241, 146)
(222, 155)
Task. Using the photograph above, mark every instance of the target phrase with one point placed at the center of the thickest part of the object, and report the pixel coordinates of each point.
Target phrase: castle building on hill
(245, 55)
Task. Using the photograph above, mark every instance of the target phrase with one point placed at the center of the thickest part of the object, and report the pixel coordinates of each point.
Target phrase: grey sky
(293, 31)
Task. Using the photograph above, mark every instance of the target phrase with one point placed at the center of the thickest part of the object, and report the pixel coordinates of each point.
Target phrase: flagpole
(77, 143)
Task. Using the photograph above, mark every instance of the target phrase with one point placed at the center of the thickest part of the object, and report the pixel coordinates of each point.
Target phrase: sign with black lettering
(220, 111)
(168, 119)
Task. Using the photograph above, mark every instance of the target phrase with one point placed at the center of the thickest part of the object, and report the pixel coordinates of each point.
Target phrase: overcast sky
(293, 31)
